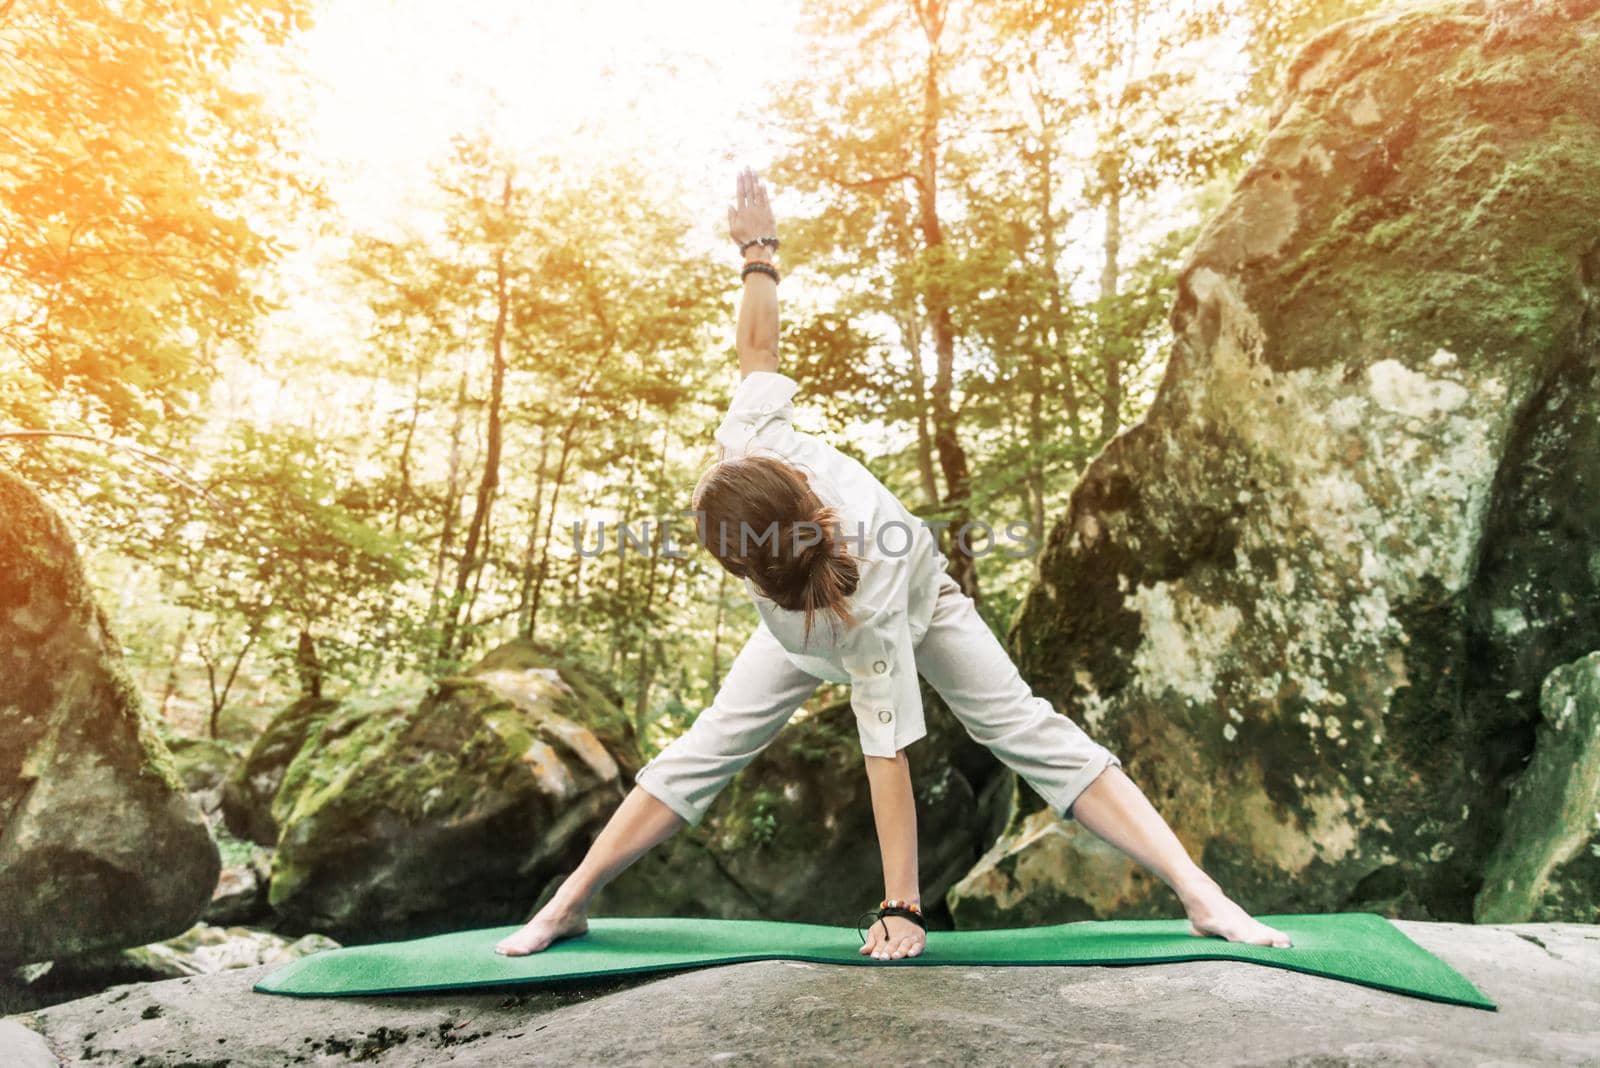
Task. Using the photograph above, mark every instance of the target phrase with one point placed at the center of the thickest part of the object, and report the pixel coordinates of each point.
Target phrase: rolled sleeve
(658, 786)
(884, 693)
(1081, 780)
(761, 414)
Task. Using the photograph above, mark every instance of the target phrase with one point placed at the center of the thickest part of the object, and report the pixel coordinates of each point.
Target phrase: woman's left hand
(904, 939)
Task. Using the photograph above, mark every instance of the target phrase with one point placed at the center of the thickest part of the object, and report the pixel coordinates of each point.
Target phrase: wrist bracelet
(766, 242)
(758, 267)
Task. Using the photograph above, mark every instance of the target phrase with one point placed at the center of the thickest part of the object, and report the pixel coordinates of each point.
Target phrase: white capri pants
(961, 659)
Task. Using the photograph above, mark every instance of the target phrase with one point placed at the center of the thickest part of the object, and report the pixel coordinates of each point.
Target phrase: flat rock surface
(1545, 978)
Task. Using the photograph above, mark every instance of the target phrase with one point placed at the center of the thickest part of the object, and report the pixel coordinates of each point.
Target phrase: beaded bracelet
(896, 903)
(758, 267)
(892, 906)
(765, 242)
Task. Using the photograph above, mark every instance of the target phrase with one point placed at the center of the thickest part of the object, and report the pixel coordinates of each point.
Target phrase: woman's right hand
(750, 216)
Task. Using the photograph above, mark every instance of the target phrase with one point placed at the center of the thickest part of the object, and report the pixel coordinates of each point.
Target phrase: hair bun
(824, 520)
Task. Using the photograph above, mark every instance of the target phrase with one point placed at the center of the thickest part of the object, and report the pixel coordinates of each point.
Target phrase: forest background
(324, 321)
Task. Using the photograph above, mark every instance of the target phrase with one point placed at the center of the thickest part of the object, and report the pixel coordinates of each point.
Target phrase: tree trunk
(307, 665)
(403, 494)
(1056, 328)
(1034, 482)
(219, 694)
(1111, 346)
(170, 688)
(471, 559)
(567, 436)
(525, 603)
(452, 496)
(952, 457)
(549, 524)
(911, 336)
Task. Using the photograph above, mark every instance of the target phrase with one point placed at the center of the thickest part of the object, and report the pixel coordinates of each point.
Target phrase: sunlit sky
(669, 83)
(374, 91)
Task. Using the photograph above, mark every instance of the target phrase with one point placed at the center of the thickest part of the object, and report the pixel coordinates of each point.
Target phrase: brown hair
(762, 520)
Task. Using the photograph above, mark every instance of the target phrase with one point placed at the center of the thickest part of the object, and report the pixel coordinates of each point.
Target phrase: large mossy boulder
(403, 820)
(792, 837)
(248, 791)
(1311, 598)
(100, 847)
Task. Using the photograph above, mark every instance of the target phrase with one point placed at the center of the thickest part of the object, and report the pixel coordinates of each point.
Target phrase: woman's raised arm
(749, 219)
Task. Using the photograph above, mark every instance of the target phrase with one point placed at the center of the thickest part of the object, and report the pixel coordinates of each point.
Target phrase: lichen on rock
(1310, 598)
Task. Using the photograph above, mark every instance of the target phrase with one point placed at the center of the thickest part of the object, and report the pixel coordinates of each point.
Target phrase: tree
(128, 163)
(289, 558)
(873, 143)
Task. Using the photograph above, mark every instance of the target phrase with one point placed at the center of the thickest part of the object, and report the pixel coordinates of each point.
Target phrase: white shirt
(897, 556)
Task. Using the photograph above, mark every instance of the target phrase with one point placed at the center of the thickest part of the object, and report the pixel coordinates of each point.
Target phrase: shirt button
(880, 667)
(884, 715)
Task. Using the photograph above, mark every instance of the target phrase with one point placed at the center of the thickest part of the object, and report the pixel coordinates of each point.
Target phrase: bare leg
(640, 823)
(1115, 809)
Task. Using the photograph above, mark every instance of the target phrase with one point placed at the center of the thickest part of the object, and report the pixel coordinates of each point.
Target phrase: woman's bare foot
(905, 939)
(555, 921)
(1211, 912)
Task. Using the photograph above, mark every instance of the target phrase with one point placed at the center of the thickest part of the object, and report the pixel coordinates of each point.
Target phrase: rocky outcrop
(1310, 600)
(99, 844)
(789, 1012)
(1043, 870)
(792, 836)
(1548, 860)
(401, 820)
(204, 949)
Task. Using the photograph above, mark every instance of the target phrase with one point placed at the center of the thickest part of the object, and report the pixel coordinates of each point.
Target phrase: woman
(852, 588)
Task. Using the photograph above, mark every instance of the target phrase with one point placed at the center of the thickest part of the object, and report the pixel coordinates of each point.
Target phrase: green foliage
(128, 169)
(548, 343)
(763, 816)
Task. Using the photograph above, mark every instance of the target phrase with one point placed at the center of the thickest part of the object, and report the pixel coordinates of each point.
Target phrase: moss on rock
(248, 792)
(99, 845)
(398, 820)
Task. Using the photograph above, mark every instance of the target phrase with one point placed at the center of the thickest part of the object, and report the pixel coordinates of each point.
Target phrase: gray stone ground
(1545, 977)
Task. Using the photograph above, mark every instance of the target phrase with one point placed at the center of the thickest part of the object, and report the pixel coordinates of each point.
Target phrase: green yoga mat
(1359, 947)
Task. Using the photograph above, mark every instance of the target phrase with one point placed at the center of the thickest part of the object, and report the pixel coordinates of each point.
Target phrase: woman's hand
(894, 938)
(750, 216)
